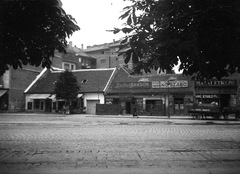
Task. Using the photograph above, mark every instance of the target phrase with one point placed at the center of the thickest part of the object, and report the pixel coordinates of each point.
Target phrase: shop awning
(2, 92)
(79, 95)
(38, 96)
(45, 96)
(52, 96)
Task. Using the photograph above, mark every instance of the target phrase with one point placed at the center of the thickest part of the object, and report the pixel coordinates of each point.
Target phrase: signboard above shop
(130, 85)
(170, 84)
(153, 84)
(216, 83)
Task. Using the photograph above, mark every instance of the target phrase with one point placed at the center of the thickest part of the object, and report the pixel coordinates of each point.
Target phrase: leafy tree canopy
(66, 87)
(31, 30)
(204, 35)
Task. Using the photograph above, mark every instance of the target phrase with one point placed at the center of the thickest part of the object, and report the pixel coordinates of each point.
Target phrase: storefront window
(233, 100)
(42, 105)
(36, 104)
(109, 101)
(112, 101)
(207, 99)
(29, 105)
(154, 105)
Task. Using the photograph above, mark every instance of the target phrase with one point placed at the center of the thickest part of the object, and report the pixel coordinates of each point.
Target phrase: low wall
(107, 109)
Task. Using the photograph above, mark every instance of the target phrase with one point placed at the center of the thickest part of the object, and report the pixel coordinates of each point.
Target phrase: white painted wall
(93, 96)
(28, 98)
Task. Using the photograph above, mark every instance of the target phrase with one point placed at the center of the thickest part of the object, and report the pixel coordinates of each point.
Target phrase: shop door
(91, 106)
(48, 105)
(179, 106)
(224, 100)
(128, 108)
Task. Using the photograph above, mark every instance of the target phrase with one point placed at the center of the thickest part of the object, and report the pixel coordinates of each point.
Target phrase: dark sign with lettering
(216, 83)
(124, 85)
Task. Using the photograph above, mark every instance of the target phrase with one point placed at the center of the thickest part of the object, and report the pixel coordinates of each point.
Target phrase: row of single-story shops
(115, 91)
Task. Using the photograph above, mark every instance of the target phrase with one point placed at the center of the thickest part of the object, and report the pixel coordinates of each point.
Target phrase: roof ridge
(110, 79)
(57, 70)
(100, 69)
(36, 79)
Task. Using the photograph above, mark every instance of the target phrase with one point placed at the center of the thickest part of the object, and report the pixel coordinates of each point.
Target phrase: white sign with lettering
(170, 84)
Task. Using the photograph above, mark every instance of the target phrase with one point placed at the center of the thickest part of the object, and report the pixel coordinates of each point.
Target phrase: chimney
(113, 41)
(82, 46)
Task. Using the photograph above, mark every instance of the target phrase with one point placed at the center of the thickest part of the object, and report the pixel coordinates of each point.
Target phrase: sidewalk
(172, 119)
(54, 117)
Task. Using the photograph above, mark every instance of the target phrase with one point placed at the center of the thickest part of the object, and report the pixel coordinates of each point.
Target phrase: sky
(94, 17)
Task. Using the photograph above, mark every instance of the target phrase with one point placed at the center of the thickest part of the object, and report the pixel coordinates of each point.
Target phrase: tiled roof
(95, 80)
(104, 46)
(81, 53)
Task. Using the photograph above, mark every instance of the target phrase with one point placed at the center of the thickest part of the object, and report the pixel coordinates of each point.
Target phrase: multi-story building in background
(107, 55)
(14, 82)
(75, 58)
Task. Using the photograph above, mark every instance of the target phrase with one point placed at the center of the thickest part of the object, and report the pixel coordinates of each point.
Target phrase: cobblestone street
(41, 143)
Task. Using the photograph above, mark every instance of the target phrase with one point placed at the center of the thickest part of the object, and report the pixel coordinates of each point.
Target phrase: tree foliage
(66, 87)
(30, 32)
(203, 34)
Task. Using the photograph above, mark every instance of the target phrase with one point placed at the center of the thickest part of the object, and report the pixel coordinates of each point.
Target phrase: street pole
(168, 92)
(168, 85)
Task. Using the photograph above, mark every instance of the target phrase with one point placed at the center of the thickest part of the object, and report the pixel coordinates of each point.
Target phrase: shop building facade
(93, 83)
(223, 93)
(158, 94)
(116, 91)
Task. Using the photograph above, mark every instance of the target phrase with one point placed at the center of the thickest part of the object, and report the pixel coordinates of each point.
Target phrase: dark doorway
(48, 105)
(128, 108)
(224, 100)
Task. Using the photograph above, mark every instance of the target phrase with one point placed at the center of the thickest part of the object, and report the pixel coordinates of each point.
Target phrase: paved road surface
(41, 143)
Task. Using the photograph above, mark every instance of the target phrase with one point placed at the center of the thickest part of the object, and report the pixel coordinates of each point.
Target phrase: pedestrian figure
(135, 111)
(151, 109)
(64, 108)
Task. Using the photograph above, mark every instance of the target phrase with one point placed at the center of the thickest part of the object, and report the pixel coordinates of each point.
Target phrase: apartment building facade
(107, 55)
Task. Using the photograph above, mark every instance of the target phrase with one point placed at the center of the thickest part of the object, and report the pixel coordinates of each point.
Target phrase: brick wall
(20, 79)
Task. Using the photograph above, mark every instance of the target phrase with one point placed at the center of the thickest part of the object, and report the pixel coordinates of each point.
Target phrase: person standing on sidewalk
(151, 109)
(134, 111)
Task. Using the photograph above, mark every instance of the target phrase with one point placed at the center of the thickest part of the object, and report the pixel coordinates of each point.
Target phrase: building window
(69, 66)
(37, 104)
(29, 105)
(42, 105)
(103, 61)
(66, 66)
(84, 81)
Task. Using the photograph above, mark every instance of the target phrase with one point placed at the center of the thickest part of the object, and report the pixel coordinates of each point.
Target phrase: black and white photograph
(119, 87)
